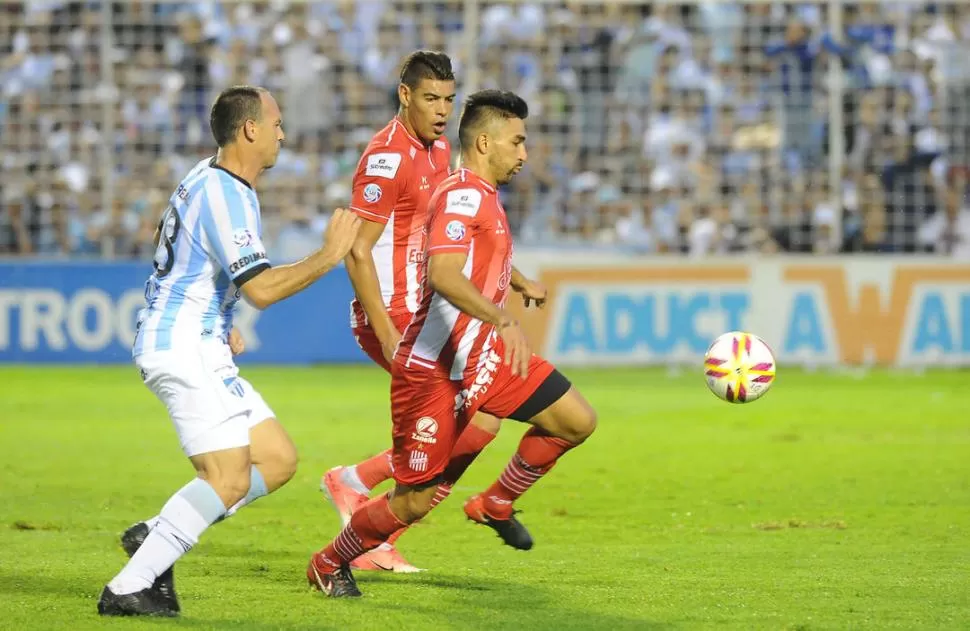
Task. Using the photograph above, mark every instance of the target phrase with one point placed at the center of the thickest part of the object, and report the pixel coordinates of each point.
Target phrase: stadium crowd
(700, 128)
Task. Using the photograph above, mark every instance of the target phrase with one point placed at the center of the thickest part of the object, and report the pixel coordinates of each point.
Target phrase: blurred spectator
(948, 232)
(695, 128)
(797, 54)
(711, 232)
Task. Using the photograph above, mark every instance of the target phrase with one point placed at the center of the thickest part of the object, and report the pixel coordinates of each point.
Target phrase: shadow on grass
(417, 601)
(475, 603)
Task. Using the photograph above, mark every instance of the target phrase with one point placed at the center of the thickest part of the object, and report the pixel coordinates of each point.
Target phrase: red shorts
(429, 411)
(368, 342)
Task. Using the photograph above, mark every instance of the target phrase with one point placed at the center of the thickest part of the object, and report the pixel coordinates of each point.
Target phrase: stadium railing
(699, 127)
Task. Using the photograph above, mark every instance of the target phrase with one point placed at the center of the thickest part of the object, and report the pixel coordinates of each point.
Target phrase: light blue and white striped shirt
(209, 245)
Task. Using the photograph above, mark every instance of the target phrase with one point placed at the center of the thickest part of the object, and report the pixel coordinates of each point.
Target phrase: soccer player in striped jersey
(462, 352)
(396, 175)
(209, 253)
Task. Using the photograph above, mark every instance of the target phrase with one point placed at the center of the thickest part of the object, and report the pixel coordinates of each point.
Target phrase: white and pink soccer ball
(739, 367)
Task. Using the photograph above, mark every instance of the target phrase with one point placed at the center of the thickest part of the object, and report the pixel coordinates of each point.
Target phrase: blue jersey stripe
(207, 219)
(214, 310)
(219, 228)
(190, 274)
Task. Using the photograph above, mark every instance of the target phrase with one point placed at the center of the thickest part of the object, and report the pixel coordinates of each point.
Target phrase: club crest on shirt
(372, 193)
(455, 230)
(242, 238)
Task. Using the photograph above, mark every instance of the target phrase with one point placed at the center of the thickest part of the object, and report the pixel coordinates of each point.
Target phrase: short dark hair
(426, 64)
(233, 107)
(484, 106)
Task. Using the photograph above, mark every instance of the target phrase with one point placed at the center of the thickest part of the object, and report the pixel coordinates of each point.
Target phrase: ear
(249, 130)
(404, 95)
(482, 142)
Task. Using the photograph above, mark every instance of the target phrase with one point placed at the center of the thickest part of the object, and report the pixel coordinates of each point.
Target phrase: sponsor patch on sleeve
(372, 193)
(463, 201)
(242, 238)
(383, 165)
(455, 230)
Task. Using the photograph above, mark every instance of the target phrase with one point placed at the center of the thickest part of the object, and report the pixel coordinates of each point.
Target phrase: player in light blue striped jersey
(209, 254)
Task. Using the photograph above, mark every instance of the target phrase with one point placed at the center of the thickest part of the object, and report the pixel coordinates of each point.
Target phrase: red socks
(537, 454)
(375, 470)
(471, 442)
(373, 523)
(369, 527)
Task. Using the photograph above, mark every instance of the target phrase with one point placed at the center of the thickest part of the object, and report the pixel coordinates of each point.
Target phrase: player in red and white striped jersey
(396, 175)
(462, 352)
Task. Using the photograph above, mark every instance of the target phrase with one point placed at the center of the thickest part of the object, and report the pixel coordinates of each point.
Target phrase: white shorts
(211, 406)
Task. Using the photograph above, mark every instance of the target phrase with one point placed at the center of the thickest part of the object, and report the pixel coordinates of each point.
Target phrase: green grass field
(836, 502)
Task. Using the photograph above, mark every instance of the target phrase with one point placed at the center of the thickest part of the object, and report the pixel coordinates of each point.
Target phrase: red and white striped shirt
(466, 216)
(393, 183)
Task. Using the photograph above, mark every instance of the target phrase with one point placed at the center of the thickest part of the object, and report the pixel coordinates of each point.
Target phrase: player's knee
(419, 504)
(411, 504)
(289, 462)
(488, 423)
(285, 462)
(581, 425)
(231, 488)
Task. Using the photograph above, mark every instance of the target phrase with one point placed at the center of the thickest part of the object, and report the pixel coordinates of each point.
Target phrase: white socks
(182, 521)
(257, 489)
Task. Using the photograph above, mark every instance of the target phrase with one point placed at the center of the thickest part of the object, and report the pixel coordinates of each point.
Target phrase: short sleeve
(455, 220)
(378, 184)
(230, 220)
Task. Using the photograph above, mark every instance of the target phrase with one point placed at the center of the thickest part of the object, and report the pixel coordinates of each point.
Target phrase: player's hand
(389, 345)
(236, 343)
(534, 291)
(341, 233)
(517, 351)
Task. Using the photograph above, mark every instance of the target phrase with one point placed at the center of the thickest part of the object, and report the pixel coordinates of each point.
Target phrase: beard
(504, 174)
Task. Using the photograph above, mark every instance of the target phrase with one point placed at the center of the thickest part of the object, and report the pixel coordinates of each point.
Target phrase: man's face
(269, 131)
(428, 107)
(507, 154)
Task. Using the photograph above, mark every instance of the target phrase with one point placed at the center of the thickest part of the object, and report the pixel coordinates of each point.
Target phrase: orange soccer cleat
(342, 496)
(385, 557)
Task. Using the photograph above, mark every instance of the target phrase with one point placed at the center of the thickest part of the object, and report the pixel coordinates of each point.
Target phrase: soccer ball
(739, 367)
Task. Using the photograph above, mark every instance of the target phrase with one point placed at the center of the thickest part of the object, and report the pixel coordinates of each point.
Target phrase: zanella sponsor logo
(425, 430)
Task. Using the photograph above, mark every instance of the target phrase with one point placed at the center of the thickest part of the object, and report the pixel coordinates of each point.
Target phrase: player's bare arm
(531, 290)
(281, 282)
(446, 278)
(363, 276)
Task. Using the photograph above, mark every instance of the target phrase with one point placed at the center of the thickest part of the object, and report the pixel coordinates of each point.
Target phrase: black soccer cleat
(337, 583)
(147, 602)
(131, 540)
(510, 530)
